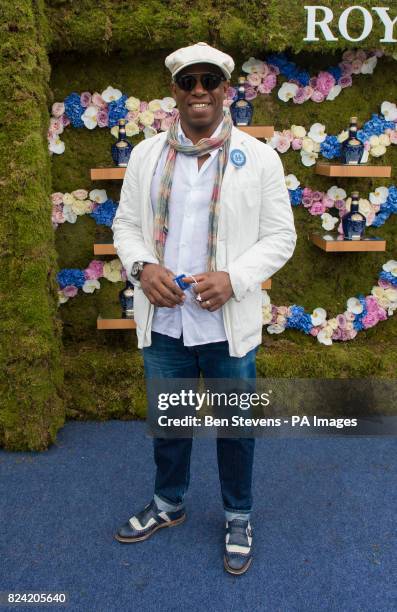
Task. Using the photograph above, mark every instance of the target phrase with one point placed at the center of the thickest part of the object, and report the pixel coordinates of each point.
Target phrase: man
(209, 201)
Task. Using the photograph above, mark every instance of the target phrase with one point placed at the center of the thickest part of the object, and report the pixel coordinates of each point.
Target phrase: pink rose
(94, 270)
(346, 68)
(393, 136)
(98, 101)
(307, 201)
(345, 81)
(166, 123)
(287, 134)
(361, 55)
(264, 71)
(57, 197)
(300, 96)
(341, 321)
(231, 92)
(102, 118)
(339, 204)
(57, 215)
(317, 195)
(57, 109)
(250, 93)
(70, 290)
(336, 334)
(296, 144)
(370, 319)
(384, 284)
(356, 66)
(317, 96)
(314, 331)
(349, 55)
(254, 79)
(318, 208)
(56, 126)
(85, 99)
(156, 124)
(143, 106)
(349, 316)
(268, 84)
(283, 144)
(160, 114)
(325, 82)
(65, 120)
(313, 82)
(307, 192)
(328, 201)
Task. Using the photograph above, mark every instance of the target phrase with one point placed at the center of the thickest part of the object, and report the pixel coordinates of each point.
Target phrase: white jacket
(256, 233)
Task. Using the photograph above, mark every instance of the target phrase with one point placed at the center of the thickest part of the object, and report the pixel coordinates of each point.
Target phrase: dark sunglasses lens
(210, 81)
(186, 82)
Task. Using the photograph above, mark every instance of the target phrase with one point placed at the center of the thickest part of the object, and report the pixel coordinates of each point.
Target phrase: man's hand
(214, 288)
(158, 286)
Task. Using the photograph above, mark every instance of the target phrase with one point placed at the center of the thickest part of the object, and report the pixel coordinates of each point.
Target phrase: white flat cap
(197, 54)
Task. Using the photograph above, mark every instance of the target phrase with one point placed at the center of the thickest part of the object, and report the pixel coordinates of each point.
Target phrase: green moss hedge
(31, 368)
(91, 374)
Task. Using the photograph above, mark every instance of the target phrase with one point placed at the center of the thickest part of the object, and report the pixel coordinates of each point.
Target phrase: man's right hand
(158, 286)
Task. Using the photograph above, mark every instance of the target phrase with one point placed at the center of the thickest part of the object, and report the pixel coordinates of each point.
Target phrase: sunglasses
(209, 81)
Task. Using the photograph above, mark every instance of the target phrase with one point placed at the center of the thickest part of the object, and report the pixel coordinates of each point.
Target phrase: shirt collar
(186, 141)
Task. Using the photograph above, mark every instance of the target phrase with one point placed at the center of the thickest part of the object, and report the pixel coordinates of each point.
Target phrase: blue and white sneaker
(238, 543)
(143, 524)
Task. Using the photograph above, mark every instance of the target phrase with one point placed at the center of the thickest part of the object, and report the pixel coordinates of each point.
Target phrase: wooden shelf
(258, 131)
(334, 244)
(346, 171)
(107, 174)
(115, 323)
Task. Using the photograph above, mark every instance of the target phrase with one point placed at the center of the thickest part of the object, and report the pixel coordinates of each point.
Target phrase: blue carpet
(324, 525)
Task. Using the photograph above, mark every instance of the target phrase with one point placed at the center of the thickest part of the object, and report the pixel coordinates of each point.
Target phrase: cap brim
(202, 61)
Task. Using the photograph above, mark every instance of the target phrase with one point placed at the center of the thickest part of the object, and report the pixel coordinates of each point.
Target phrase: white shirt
(186, 244)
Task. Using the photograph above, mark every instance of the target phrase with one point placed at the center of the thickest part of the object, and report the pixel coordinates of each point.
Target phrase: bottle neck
(354, 207)
(122, 135)
(241, 92)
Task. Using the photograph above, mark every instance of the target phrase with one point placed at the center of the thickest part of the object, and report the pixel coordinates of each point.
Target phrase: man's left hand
(214, 289)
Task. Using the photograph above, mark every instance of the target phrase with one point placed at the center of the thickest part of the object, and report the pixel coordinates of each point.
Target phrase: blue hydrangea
(299, 319)
(392, 199)
(295, 196)
(330, 147)
(363, 135)
(117, 110)
(71, 276)
(357, 323)
(380, 218)
(388, 276)
(74, 110)
(376, 125)
(104, 213)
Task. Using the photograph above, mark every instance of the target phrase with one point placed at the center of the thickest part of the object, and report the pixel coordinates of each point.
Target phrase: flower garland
(377, 134)
(382, 203)
(69, 206)
(106, 108)
(300, 87)
(361, 313)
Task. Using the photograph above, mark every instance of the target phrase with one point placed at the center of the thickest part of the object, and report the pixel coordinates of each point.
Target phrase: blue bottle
(241, 110)
(126, 299)
(121, 150)
(353, 222)
(352, 149)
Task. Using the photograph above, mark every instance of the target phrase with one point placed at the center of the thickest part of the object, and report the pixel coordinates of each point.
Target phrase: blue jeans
(168, 358)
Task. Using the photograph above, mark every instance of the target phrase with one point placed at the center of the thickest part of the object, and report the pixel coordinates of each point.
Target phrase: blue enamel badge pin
(237, 157)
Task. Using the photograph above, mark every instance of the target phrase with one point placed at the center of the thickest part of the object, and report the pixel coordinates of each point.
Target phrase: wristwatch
(137, 268)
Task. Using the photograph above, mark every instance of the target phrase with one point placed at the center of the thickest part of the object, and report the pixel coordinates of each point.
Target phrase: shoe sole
(126, 540)
(234, 571)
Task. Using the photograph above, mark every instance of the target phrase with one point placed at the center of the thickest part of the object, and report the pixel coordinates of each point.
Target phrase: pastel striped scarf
(204, 146)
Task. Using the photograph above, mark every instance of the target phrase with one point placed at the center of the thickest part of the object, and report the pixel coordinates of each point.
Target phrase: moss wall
(94, 44)
(109, 25)
(31, 369)
(109, 360)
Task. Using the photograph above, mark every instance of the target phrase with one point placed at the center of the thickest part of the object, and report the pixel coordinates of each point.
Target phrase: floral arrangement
(377, 208)
(361, 312)
(69, 206)
(376, 134)
(91, 110)
(70, 280)
(300, 86)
